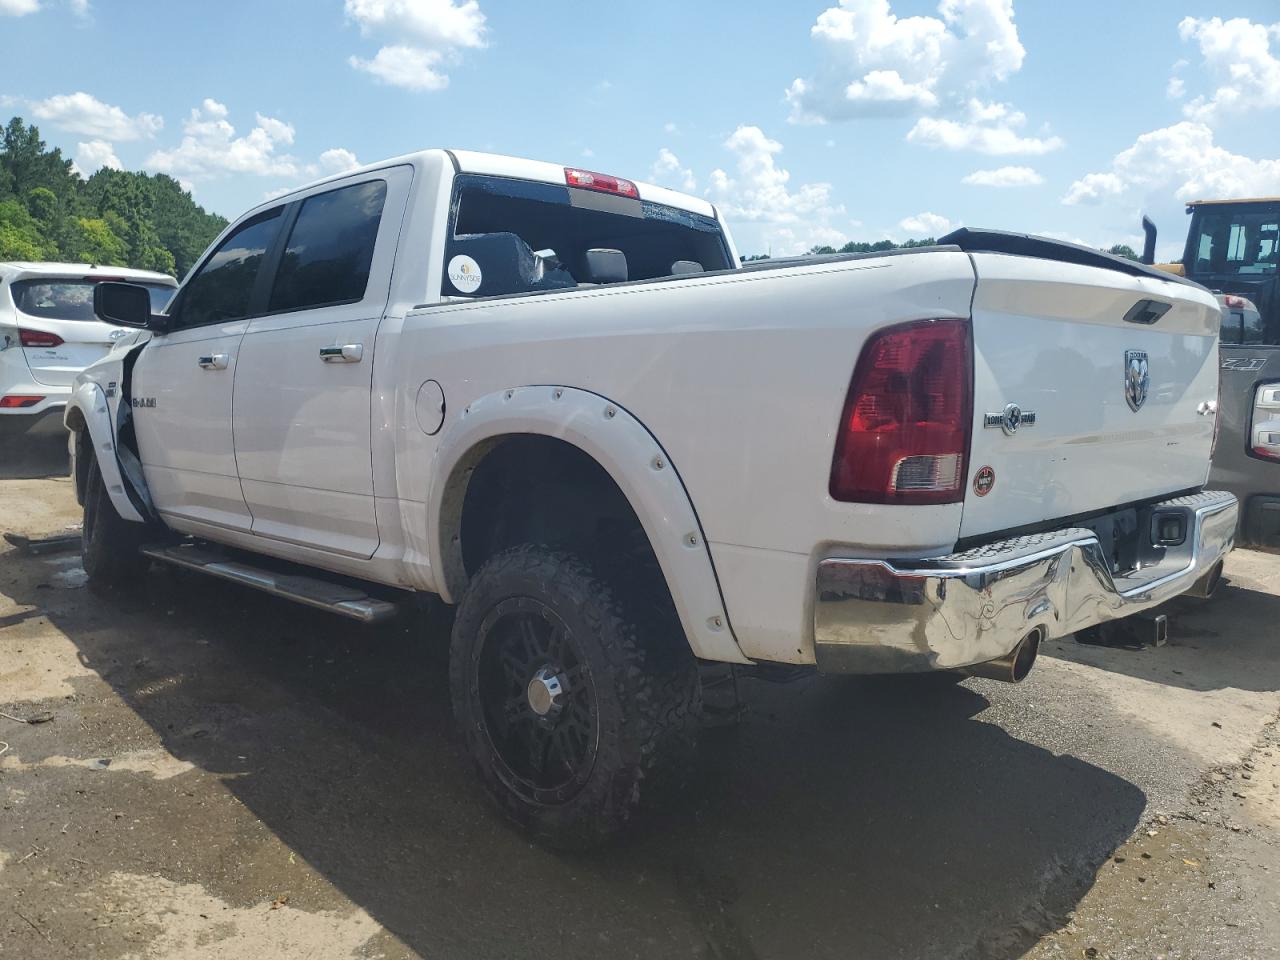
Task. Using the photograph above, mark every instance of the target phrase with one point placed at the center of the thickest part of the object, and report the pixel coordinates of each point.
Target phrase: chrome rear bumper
(946, 613)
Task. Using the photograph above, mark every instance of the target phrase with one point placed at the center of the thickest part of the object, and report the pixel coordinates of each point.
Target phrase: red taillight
(904, 435)
(1233, 301)
(19, 400)
(600, 181)
(38, 338)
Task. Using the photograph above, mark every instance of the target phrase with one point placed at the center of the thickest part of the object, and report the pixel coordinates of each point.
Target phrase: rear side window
(330, 249)
(224, 286)
(70, 299)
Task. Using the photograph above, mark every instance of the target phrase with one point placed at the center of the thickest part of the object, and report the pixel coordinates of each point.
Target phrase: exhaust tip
(1014, 666)
(1024, 657)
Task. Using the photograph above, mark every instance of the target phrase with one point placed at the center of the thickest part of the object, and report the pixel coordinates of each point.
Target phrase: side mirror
(125, 305)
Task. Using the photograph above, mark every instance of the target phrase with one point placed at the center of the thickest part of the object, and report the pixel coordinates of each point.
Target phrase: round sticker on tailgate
(983, 481)
(464, 274)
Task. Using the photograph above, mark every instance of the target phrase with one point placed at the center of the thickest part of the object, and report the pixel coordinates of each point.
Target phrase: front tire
(570, 707)
(109, 551)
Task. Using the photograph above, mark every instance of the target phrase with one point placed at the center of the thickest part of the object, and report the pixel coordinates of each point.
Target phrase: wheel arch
(89, 412)
(635, 463)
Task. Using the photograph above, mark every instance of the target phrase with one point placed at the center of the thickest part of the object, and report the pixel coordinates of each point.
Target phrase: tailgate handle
(1147, 312)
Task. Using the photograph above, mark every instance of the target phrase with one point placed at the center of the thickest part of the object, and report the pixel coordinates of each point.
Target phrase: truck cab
(1233, 248)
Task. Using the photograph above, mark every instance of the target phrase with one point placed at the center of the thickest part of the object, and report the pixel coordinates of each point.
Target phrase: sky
(806, 123)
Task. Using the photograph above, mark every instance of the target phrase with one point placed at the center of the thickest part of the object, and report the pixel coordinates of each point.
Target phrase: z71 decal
(1243, 363)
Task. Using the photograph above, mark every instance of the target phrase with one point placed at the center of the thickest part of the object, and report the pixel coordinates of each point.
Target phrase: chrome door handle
(213, 361)
(347, 353)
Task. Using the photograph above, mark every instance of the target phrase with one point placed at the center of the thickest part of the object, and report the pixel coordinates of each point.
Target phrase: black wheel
(110, 543)
(569, 706)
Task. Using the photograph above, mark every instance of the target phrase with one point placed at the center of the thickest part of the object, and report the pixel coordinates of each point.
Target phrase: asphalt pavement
(224, 774)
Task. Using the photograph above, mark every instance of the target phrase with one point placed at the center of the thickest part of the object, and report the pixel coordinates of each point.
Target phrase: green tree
(96, 242)
(1124, 250)
(20, 236)
(48, 212)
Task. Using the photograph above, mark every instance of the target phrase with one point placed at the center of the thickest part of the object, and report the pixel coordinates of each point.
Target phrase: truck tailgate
(1052, 338)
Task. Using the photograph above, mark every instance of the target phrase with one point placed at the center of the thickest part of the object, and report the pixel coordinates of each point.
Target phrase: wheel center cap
(544, 691)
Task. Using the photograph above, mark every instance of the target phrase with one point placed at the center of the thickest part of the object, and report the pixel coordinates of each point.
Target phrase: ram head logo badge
(1137, 378)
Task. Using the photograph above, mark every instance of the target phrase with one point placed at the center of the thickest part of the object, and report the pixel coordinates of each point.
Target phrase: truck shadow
(1213, 644)
(840, 819)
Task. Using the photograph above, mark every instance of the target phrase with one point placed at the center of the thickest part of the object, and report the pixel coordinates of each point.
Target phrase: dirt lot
(226, 775)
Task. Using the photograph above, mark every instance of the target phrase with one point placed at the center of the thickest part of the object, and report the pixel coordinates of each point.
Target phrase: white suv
(48, 333)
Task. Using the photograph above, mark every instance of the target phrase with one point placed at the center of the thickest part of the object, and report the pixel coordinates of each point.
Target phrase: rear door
(303, 385)
(1118, 373)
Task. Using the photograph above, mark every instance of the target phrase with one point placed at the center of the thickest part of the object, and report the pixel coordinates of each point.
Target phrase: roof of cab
(498, 165)
(1211, 203)
(26, 270)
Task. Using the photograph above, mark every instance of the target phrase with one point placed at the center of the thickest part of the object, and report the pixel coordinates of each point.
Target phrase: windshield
(72, 299)
(517, 236)
(1236, 241)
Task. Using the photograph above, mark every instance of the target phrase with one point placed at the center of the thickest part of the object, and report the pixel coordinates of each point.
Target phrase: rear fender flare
(630, 454)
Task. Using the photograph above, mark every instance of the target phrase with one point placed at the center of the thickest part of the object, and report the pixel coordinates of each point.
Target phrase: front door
(303, 387)
(181, 388)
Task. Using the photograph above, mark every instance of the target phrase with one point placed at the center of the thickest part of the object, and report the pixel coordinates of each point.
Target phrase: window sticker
(464, 274)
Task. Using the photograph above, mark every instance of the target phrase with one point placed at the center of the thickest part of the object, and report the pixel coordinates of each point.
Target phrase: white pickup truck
(555, 399)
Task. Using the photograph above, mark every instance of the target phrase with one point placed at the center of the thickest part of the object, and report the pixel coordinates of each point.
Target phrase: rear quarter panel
(741, 378)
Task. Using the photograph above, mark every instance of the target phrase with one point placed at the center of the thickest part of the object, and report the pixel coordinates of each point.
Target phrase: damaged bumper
(956, 611)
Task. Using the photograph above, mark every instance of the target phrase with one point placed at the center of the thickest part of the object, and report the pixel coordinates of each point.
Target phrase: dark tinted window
(70, 299)
(224, 285)
(526, 236)
(330, 248)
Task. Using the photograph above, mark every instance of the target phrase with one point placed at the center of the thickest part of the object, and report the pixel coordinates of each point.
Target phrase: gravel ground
(228, 775)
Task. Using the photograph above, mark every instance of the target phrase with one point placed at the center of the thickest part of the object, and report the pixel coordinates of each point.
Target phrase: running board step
(335, 597)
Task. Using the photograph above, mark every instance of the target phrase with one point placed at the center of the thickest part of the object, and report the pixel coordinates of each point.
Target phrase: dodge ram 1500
(557, 401)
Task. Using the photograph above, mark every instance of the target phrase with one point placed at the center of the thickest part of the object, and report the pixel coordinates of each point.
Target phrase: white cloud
(758, 192)
(1183, 160)
(670, 128)
(1004, 177)
(429, 34)
(409, 67)
(80, 8)
(94, 155)
(210, 147)
(888, 87)
(1094, 188)
(1237, 53)
(927, 224)
(1176, 89)
(667, 169)
(994, 139)
(82, 113)
(338, 160)
(18, 8)
(871, 61)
